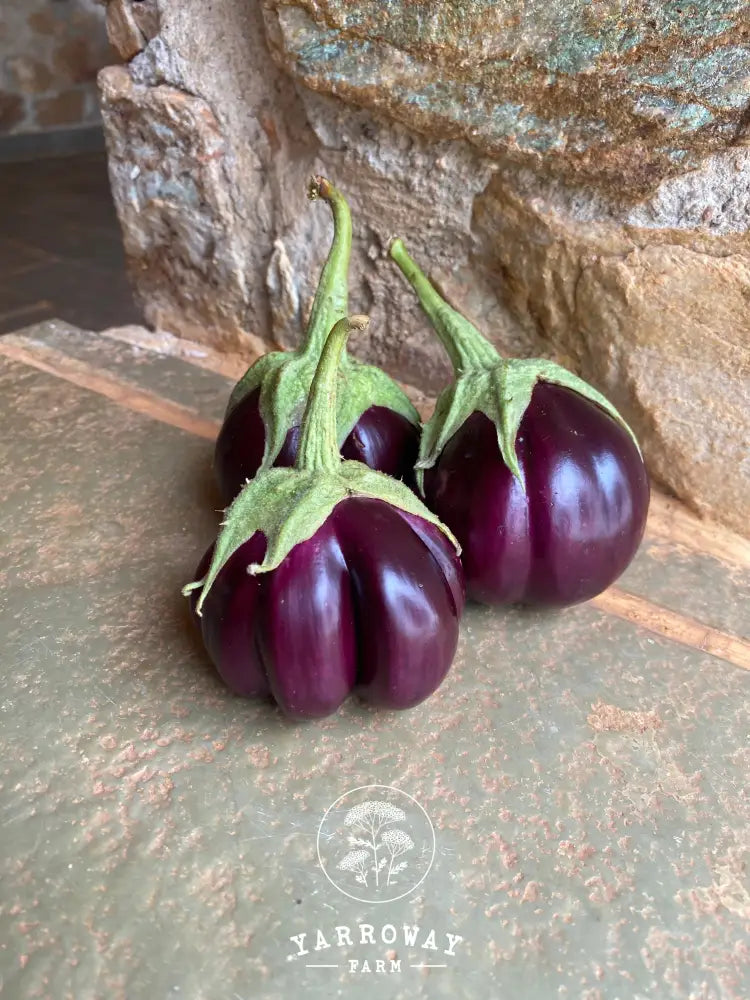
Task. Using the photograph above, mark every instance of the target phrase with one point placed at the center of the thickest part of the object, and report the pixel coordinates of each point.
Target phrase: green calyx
(484, 381)
(284, 377)
(289, 505)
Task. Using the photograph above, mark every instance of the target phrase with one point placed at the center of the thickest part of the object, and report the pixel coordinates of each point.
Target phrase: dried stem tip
(319, 187)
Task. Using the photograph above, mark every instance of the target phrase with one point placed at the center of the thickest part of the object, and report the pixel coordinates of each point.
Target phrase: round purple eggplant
(382, 439)
(376, 422)
(329, 578)
(535, 472)
(370, 604)
(572, 523)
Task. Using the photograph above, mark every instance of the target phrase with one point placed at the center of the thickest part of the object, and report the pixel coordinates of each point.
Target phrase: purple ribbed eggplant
(534, 471)
(376, 422)
(382, 439)
(329, 578)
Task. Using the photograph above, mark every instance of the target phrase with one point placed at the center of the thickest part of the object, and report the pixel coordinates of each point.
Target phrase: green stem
(318, 446)
(465, 345)
(332, 296)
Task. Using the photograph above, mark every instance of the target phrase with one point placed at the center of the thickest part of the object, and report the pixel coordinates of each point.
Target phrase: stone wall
(50, 53)
(576, 177)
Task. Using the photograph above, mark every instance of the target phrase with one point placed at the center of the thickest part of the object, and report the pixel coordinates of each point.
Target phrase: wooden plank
(674, 626)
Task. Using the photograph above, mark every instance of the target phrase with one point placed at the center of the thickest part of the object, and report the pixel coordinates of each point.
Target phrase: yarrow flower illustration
(356, 861)
(376, 843)
(368, 813)
(397, 843)
(369, 819)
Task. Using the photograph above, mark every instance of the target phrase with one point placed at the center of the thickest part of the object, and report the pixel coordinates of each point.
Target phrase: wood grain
(674, 626)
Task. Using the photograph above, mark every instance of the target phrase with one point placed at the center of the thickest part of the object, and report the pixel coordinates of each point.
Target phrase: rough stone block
(123, 30)
(619, 95)
(180, 230)
(146, 16)
(575, 177)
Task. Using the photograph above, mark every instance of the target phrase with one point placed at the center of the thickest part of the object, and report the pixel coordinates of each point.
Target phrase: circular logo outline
(390, 788)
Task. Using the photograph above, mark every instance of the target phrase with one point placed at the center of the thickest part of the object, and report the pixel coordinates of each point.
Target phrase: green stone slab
(693, 583)
(585, 779)
(172, 378)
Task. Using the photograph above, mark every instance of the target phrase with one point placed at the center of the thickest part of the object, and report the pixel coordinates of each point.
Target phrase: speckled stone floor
(579, 818)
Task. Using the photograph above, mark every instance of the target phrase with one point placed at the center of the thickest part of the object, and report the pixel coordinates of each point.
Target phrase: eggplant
(535, 472)
(382, 439)
(376, 421)
(329, 578)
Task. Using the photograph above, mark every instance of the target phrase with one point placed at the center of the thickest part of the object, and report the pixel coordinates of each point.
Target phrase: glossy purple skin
(371, 604)
(382, 439)
(579, 523)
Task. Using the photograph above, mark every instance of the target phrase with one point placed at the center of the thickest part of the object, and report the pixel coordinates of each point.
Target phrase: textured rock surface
(598, 87)
(657, 316)
(123, 28)
(575, 231)
(187, 253)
